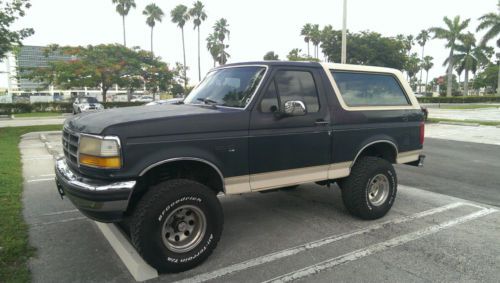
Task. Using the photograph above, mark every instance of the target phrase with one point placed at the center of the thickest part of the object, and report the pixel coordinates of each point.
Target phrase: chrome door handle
(321, 123)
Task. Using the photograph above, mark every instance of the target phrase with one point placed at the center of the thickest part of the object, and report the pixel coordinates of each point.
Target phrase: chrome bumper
(100, 200)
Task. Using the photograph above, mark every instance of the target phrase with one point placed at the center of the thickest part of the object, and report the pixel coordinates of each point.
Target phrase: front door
(289, 150)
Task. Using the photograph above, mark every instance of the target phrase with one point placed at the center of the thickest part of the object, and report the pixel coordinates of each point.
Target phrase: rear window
(363, 89)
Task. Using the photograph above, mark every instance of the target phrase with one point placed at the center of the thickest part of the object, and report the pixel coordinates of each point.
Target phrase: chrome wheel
(378, 190)
(184, 228)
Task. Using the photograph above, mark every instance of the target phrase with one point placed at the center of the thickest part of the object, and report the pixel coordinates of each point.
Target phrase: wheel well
(182, 169)
(383, 150)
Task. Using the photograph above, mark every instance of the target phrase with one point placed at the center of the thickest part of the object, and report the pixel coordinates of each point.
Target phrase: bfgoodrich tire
(370, 190)
(176, 225)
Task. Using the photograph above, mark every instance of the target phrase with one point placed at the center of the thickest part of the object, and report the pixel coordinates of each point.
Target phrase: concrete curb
(138, 268)
(49, 147)
(38, 118)
(460, 123)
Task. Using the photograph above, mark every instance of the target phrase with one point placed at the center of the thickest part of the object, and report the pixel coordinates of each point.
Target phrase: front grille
(70, 146)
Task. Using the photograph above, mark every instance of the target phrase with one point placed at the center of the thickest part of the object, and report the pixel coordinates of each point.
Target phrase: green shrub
(460, 99)
(56, 107)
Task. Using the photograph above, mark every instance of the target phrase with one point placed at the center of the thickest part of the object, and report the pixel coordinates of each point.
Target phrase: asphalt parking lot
(305, 235)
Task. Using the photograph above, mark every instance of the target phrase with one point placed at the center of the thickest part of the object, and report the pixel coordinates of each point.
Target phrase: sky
(256, 26)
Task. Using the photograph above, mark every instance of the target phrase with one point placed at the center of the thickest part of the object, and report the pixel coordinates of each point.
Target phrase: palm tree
(213, 46)
(122, 8)
(491, 21)
(180, 16)
(451, 33)
(199, 15)
(427, 65)
(422, 39)
(315, 36)
(153, 14)
(470, 58)
(271, 56)
(221, 29)
(306, 33)
(326, 35)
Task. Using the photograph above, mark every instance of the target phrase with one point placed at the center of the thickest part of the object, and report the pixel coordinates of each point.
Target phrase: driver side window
(291, 85)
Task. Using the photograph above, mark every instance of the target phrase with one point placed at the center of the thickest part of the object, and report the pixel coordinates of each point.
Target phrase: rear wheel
(177, 225)
(370, 190)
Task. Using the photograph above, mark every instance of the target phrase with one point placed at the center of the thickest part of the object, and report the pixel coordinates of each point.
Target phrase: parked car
(142, 98)
(166, 101)
(247, 127)
(84, 104)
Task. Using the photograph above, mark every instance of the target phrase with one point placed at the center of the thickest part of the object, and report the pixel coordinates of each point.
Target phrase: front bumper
(99, 200)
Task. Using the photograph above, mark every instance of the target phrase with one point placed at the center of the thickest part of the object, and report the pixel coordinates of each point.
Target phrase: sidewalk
(480, 114)
(478, 134)
(20, 122)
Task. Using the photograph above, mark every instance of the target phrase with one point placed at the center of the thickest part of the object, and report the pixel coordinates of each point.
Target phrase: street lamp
(343, 57)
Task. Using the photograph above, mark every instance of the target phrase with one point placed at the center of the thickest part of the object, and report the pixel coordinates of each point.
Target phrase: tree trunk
(124, 38)
(426, 79)
(223, 57)
(450, 74)
(199, 64)
(103, 93)
(151, 40)
(422, 69)
(308, 53)
(498, 81)
(184, 57)
(466, 82)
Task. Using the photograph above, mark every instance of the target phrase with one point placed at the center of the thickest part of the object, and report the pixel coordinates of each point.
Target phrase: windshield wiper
(208, 101)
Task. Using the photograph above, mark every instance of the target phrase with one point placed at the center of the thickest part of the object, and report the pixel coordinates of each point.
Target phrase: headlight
(100, 152)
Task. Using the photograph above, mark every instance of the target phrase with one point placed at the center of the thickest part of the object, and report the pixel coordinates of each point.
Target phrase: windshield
(231, 87)
(88, 100)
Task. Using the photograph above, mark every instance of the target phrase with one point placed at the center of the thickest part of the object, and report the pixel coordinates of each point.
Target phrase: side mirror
(294, 108)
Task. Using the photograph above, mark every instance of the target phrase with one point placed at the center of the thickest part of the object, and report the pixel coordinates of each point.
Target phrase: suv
(245, 128)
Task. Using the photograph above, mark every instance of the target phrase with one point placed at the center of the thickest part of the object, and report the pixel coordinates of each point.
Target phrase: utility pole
(343, 58)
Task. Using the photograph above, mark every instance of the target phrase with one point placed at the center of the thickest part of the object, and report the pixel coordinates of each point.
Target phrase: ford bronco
(246, 127)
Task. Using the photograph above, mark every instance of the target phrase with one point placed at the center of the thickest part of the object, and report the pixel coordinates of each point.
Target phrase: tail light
(422, 132)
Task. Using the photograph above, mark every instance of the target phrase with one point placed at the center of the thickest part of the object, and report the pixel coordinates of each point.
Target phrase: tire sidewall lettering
(175, 203)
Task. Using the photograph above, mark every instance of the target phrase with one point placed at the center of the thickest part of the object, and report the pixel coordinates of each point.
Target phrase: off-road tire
(152, 211)
(356, 187)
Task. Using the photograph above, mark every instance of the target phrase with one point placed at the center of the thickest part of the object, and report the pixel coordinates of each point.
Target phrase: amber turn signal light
(100, 162)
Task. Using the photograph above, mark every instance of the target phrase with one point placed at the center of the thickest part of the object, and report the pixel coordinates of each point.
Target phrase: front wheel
(177, 225)
(370, 190)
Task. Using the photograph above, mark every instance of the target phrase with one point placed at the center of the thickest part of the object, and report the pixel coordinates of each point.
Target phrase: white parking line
(394, 242)
(43, 175)
(311, 245)
(60, 212)
(31, 146)
(59, 221)
(42, 157)
(40, 180)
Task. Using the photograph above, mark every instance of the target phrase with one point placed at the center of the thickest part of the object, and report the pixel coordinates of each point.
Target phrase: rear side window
(363, 89)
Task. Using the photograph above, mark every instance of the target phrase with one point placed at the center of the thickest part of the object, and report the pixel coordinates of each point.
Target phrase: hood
(97, 122)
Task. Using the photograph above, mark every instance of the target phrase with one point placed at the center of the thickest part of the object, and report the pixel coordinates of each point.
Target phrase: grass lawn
(37, 114)
(14, 246)
(484, 123)
(468, 106)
